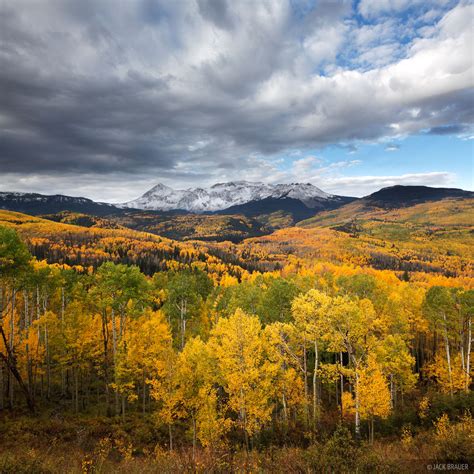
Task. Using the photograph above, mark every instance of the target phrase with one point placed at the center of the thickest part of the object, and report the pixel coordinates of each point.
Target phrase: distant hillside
(408, 200)
(37, 204)
(434, 237)
(399, 196)
(294, 208)
(77, 245)
(193, 226)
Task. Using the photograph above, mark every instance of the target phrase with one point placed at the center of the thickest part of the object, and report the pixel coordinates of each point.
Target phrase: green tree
(14, 255)
(441, 310)
(275, 301)
(187, 291)
(14, 264)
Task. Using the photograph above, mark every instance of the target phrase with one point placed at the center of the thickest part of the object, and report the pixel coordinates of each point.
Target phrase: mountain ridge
(387, 200)
(36, 203)
(221, 196)
(308, 204)
(400, 195)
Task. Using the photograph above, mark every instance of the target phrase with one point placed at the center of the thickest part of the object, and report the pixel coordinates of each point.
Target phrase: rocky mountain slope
(225, 195)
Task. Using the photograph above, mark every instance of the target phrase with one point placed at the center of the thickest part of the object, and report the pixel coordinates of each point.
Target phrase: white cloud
(363, 185)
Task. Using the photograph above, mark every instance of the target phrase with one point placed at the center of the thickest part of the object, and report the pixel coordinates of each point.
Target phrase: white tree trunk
(315, 397)
(448, 354)
(468, 355)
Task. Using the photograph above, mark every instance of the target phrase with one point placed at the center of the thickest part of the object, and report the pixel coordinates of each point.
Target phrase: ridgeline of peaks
(298, 200)
(224, 195)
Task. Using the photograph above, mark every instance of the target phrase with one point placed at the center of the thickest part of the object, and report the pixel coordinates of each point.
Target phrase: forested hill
(401, 196)
(34, 204)
(200, 363)
(432, 237)
(85, 247)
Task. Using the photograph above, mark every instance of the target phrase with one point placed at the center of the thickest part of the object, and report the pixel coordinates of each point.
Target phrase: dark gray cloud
(192, 90)
(450, 129)
(218, 12)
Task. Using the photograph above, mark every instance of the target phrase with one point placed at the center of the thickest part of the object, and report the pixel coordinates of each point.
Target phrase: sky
(106, 98)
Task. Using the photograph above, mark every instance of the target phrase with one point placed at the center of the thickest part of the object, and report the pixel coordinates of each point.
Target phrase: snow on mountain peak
(223, 195)
(159, 189)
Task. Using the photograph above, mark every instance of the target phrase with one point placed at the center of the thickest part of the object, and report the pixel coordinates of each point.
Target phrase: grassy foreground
(56, 444)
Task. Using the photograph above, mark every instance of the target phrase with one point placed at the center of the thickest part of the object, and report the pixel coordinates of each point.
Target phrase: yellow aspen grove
(245, 373)
(149, 349)
(283, 351)
(397, 364)
(448, 381)
(373, 394)
(309, 311)
(195, 376)
(351, 326)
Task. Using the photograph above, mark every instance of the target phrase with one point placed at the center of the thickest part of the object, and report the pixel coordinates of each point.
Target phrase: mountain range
(225, 211)
(222, 196)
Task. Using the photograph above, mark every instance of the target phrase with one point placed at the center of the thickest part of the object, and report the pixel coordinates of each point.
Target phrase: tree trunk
(342, 381)
(357, 405)
(10, 363)
(76, 390)
(114, 349)
(105, 339)
(448, 355)
(285, 408)
(29, 368)
(170, 433)
(194, 437)
(315, 372)
(11, 344)
(305, 368)
(468, 355)
(144, 393)
(183, 311)
(243, 419)
(48, 361)
(392, 398)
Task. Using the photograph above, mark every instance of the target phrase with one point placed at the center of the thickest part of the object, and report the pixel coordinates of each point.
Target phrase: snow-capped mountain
(224, 195)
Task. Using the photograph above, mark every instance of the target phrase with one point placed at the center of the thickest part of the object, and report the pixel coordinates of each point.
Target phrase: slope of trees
(435, 237)
(243, 360)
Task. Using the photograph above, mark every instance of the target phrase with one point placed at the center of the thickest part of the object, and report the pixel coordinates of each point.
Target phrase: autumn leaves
(222, 360)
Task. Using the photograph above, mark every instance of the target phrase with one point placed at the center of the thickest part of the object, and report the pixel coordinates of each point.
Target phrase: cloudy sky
(105, 98)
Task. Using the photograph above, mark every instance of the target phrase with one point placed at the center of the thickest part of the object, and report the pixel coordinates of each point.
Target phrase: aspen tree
(244, 372)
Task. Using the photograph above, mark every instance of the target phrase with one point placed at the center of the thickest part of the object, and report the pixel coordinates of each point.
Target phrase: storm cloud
(191, 91)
